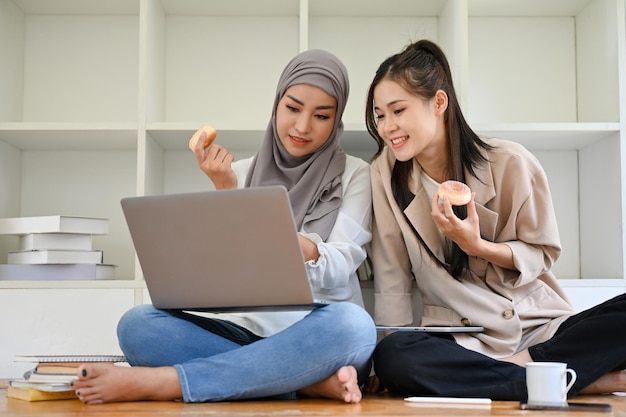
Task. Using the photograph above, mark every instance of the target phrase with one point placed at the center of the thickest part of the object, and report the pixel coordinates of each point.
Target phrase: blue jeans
(218, 360)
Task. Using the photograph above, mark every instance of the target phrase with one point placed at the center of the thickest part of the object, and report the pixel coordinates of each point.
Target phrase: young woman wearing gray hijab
(322, 353)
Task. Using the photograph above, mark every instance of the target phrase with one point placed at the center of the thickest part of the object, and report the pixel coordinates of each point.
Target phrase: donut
(211, 133)
(458, 193)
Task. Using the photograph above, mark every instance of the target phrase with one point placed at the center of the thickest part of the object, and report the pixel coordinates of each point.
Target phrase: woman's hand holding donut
(213, 159)
(202, 138)
(465, 233)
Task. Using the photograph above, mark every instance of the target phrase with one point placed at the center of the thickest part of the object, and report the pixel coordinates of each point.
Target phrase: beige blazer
(517, 308)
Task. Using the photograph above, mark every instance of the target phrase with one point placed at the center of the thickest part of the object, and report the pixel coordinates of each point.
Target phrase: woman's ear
(441, 101)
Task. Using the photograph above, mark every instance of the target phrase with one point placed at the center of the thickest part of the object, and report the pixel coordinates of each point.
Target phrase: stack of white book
(55, 248)
(52, 376)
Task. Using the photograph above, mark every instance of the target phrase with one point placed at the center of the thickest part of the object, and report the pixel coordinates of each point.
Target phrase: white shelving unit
(98, 100)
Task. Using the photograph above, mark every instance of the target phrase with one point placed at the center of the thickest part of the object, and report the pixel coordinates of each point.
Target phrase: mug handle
(573, 377)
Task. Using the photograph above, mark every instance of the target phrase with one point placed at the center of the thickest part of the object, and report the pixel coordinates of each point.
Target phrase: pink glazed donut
(458, 193)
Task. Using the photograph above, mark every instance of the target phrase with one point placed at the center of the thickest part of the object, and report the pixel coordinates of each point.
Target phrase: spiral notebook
(227, 250)
(68, 358)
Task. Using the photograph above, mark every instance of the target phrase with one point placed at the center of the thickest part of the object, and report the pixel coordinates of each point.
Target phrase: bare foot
(99, 383)
(611, 382)
(342, 385)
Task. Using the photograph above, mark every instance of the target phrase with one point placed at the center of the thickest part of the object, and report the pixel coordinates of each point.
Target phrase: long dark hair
(422, 69)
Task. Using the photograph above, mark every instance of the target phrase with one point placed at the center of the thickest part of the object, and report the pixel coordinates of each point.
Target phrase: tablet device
(589, 407)
(432, 329)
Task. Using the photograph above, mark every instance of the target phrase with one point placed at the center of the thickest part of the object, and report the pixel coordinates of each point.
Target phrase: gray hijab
(313, 181)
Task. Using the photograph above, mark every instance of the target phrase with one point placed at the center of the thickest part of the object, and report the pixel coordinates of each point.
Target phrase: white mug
(547, 382)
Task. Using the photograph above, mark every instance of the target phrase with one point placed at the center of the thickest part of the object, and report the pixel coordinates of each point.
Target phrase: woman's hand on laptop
(309, 248)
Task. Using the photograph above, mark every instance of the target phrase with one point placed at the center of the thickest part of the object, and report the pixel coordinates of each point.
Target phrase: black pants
(592, 342)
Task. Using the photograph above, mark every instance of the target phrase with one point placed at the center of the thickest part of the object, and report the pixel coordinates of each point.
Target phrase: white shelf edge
(69, 136)
(79, 7)
(547, 126)
(534, 136)
(389, 8)
(140, 284)
(75, 284)
(594, 282)
(175, 136)
(230, 9)
(566, 283)
(549, 136)
(527, 8)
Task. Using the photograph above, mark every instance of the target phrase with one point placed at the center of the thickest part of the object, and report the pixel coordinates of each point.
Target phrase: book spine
(69, 358)
(54, 224)
(29, 394)
(56, 241)
(47, 272)
(55, 257)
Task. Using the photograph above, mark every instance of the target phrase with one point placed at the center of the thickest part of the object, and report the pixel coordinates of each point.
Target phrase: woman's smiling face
(406, 122)
(305, 118)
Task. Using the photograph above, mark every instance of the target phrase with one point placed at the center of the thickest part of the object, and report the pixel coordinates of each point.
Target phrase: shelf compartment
(71, 67)
(546, 58)
(89, 184)
(191, 60)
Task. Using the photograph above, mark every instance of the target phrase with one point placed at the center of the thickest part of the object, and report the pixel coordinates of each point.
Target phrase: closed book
(56, 272)
(32, 377)
(57, 368)
(56, 241)
(54, 224)
(55, 257)
(31, 394)
(41, 386)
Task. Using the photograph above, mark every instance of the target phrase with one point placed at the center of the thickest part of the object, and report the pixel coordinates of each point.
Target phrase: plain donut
(211, 133)
(458, 193)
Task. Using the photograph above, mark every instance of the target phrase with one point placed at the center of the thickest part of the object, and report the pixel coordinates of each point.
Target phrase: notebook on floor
(228, 250)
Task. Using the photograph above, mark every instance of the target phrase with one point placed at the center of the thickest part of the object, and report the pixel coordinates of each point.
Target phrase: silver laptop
(227, 250)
